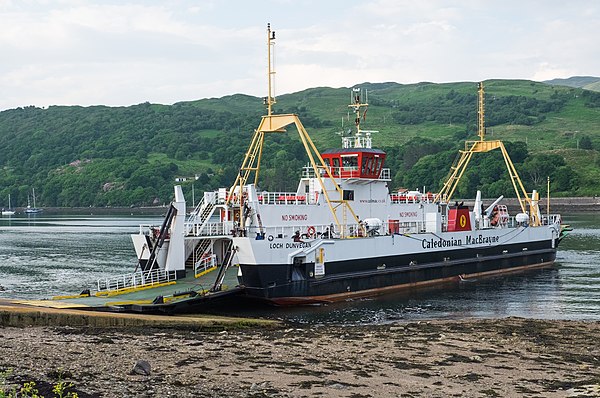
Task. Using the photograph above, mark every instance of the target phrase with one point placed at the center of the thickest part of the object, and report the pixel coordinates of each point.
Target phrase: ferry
(343, 233)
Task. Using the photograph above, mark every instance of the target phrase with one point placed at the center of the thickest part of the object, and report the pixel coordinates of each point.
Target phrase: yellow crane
(481, 146)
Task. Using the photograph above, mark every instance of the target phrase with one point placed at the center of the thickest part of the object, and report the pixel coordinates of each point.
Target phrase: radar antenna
(361, 138)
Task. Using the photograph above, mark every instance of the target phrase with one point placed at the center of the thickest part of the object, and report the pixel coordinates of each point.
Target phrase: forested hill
(103, 156)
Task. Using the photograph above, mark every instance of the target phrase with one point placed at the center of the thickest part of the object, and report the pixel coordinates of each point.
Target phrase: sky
(119, 53)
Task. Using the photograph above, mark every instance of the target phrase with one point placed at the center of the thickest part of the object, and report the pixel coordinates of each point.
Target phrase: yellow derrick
(481, 146)
(276, 124)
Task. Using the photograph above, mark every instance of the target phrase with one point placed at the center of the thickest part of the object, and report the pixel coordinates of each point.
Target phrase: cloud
(124, 52)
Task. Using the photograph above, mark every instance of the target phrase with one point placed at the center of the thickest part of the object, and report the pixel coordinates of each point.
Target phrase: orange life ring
(310, 231)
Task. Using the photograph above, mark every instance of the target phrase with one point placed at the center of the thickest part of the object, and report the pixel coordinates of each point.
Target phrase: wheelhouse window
(350, 162)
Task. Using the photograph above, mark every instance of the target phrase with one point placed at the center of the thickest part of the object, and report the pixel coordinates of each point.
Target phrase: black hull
(287, 284)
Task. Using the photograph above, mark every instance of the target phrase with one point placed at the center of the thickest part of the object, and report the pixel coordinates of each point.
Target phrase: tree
(539, 167)
(585, 142)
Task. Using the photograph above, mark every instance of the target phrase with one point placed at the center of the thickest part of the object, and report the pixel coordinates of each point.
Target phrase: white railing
(549, 219)
(331, 231)
(136, 280)
(146, 228)
(209, 229)
(385, 174)
(344, 171)
(197, 211)
(286, 198)
(204, 264)
(412, 197)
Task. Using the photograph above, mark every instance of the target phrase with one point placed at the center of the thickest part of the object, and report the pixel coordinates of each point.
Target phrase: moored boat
(342, 233)
(9, 211)
(34, 209)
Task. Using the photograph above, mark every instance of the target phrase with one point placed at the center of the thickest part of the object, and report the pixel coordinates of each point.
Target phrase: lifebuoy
(311, 231)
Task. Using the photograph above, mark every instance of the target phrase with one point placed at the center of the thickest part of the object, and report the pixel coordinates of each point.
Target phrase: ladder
(201, 248)
(200, 216)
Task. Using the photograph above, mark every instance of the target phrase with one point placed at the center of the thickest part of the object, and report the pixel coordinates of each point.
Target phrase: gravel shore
(510, 357)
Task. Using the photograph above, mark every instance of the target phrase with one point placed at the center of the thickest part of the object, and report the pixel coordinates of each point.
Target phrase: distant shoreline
(557, 205)
(134, 211)
(562, 206)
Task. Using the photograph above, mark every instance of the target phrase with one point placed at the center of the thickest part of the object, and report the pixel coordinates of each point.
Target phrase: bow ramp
(174, 272)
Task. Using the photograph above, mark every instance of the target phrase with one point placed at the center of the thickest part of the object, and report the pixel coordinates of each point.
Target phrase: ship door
(299, 269)
(235, 214)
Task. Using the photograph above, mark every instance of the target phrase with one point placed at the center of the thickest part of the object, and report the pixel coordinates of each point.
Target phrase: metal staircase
(200, 216)
(199, 251)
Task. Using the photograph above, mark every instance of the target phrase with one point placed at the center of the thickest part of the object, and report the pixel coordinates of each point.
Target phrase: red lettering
(294, 217)
(408, 214)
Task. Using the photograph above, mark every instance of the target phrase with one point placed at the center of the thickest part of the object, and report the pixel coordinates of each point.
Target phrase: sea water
(42, 256)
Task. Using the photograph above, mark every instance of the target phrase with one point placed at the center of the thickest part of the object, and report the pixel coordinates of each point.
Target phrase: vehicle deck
(166, 298)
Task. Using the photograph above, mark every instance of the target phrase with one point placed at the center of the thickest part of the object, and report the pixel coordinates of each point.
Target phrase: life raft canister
(459, 219)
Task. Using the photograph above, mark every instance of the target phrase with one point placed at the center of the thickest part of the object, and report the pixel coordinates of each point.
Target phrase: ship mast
(273, 123)
(270, 99)
(481, 112)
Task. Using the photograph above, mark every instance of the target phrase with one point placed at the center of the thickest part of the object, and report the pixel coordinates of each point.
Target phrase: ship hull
(291, 284)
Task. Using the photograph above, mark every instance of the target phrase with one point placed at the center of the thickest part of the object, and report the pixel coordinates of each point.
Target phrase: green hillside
(593, 86)
(103, 156)
(574, 81)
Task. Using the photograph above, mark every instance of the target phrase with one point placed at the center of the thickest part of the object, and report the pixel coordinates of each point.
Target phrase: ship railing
(136, 280)
(511, 222)
(340, 171)
(204, 264)
(280, 198)
(209, 229)
(197, 210)
(343, 171)
(309, 172)
(385, 174)
(551, 219)
(146, 229)
(288, 232)
(353, 230)
(203, 207)
(330, 231)
(287, 198)
(405, 198)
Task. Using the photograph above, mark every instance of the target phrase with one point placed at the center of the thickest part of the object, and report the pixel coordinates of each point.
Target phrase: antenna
(362, 138)
(270, 99)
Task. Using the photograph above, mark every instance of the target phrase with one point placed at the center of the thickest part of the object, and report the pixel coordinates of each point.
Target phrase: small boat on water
(34, 209)
(340, 235)
(9, 211)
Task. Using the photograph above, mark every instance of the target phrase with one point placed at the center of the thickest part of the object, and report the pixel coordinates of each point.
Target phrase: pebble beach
(508, 357)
